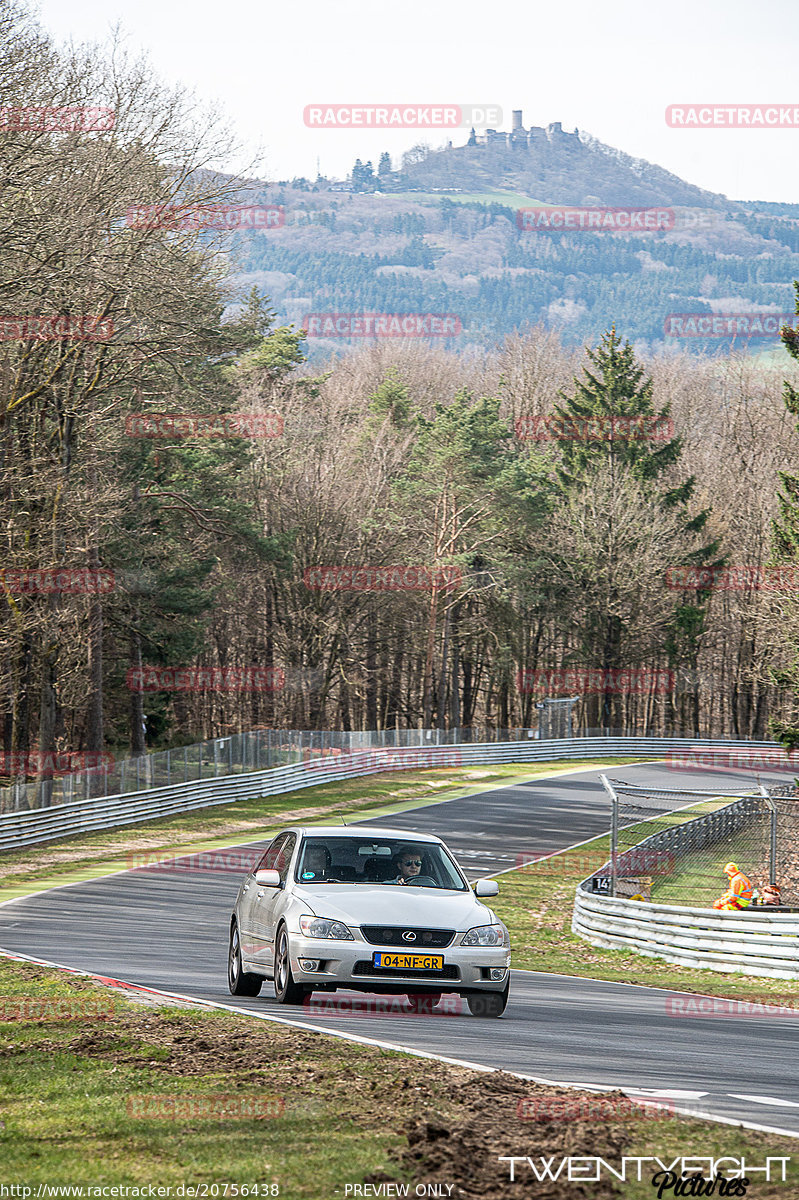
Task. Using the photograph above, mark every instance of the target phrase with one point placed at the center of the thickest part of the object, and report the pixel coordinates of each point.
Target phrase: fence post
(614, 830)
(772, 858)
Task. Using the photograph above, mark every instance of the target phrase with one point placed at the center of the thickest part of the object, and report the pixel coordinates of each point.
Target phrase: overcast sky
(608, 68)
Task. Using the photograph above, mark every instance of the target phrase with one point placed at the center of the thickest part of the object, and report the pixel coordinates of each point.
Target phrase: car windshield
(388, 861)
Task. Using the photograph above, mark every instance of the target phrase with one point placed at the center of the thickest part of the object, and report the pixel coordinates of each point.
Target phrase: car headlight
(487, 935)
(324, 927)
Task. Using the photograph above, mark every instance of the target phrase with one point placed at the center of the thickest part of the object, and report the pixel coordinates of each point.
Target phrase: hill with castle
(440, 232)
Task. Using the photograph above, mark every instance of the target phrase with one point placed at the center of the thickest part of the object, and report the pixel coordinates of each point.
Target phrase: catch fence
(670, 846)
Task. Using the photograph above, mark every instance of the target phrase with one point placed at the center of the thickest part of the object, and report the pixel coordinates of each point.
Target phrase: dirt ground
(456, 1122)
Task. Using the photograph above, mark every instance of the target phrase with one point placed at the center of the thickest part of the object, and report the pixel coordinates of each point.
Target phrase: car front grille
(367, 968)
(392, 935)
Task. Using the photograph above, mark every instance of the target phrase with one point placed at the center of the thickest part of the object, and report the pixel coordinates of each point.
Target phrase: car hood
(387, 905)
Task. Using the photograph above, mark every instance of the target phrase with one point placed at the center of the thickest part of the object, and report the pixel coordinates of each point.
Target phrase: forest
(204, 532)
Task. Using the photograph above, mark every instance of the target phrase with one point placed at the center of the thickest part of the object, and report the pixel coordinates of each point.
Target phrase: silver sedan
(375, 910)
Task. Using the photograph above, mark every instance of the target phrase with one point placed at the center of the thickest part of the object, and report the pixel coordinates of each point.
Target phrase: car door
(269, 904)
(248, 908)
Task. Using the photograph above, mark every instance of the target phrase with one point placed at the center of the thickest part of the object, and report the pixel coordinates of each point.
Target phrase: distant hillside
(560, 168)
(440, 235)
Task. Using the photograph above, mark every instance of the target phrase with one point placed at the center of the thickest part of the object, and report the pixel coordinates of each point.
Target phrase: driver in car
(408, 864)
(316, 864)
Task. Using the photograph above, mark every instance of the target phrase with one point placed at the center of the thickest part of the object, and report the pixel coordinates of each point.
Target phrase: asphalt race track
(167, 929)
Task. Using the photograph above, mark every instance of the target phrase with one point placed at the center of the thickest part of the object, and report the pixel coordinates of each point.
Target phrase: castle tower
(517, 121)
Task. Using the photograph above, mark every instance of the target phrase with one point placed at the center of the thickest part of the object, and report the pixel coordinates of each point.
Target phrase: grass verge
(536, 903)
(128, 1100)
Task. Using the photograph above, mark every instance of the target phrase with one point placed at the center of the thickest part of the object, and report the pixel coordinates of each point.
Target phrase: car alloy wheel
(286, 990)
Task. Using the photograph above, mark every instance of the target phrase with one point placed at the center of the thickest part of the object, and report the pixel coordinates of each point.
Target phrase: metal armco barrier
(27, 828)
(752, 942)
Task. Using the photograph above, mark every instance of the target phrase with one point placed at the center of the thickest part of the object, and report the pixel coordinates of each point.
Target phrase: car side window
(269, 860)
(284, 854)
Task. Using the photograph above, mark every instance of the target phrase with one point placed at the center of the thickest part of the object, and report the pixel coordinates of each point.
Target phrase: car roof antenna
(343, 822)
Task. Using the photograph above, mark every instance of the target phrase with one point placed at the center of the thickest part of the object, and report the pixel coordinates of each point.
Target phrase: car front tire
(286, 990)
(488, 1004)
(238, 982)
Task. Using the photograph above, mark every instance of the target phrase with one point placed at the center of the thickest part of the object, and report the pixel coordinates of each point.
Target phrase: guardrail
(752, 942)
(18, 829)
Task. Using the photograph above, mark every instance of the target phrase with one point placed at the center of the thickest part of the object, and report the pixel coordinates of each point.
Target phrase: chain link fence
(256, 750)
(670, 846)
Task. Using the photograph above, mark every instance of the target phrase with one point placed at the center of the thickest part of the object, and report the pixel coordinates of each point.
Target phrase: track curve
(167, 929)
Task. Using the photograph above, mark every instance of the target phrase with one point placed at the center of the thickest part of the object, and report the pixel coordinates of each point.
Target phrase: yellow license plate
(408, 962)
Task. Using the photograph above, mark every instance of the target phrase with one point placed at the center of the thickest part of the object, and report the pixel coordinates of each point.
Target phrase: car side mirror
(270, 879)
(486, 887)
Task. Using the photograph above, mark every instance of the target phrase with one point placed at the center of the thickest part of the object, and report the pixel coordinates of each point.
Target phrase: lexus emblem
(409, 936)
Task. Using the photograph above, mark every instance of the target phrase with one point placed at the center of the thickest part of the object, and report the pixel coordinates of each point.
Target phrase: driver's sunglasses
(411, 862)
